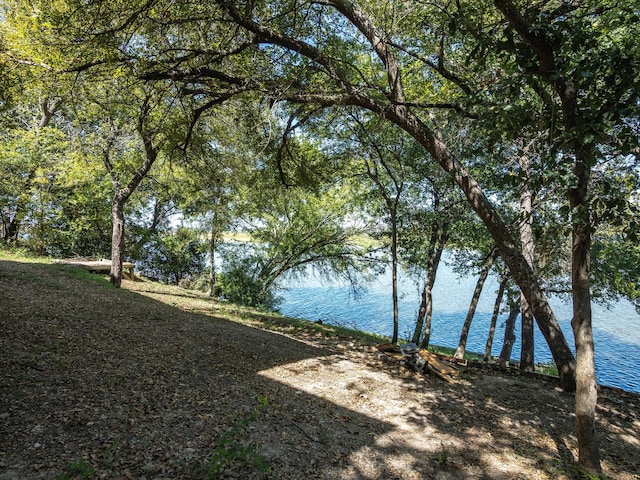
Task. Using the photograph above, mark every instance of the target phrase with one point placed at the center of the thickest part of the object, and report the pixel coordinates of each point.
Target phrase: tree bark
(394, 271)
(117, 239)
(586, 393)
(484, 273)
(425, 313)
(527, 361)
(494, 317)
(509, 331)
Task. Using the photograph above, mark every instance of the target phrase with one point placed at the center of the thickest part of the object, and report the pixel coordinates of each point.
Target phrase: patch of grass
(547, 369)
(81, 274)
(442, 459)
(76, 471)
(18, 254)
(237, 236)
(232, 449)
(111, 453)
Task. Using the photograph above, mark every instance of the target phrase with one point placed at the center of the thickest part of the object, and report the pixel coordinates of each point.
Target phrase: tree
(383, 156)
(437, 209)
(584, 103)
(34, 149)
(494, 317)
(123, 192)
(174, 256)
(214, 171)
(292, 229)
(438, 236)
(484, 273)
(509, 328)
(528, 250)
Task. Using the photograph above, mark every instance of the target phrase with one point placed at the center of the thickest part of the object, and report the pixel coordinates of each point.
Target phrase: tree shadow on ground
(130, 387)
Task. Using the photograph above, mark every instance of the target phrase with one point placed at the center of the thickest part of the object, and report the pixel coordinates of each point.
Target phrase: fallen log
(422, 361)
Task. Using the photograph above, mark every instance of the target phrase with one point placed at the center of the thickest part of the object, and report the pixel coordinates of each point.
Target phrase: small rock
(37, 429)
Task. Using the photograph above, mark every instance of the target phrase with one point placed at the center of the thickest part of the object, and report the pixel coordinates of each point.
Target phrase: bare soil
(152, 382)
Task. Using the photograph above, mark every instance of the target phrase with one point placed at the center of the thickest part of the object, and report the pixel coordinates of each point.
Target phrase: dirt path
(104, 383)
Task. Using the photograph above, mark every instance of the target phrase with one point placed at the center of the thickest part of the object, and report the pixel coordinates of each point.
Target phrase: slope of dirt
(139, 384)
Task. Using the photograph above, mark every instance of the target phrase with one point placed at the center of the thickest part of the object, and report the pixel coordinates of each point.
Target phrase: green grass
(77, 470)
(19, 254)
(232, 448)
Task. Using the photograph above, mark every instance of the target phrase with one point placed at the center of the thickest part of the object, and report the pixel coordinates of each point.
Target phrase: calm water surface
(616, 330)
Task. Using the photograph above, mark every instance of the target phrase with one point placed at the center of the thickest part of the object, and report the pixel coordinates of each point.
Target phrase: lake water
(616, 330)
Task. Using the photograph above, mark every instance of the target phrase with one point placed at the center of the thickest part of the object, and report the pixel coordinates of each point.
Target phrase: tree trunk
(494, 317)
(484, 273)
(527, 361)
(394, 272)
(121, 195)
(212, 255)
(117, 239)
(426, 338)
(425, 313)
(512, 256)
(509, 331)
(586, 393)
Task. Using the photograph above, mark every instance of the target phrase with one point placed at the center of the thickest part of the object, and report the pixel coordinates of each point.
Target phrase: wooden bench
(102, 266)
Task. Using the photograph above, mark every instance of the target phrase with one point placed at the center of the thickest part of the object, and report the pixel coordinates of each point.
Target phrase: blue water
(616, 330)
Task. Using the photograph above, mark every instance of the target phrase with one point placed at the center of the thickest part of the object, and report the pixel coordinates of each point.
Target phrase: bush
(240, 280)
(172, 257)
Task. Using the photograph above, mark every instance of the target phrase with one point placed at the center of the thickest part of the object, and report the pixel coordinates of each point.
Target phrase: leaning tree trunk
(398, 111)
(425, 313)
(494, 317)
(488, 263)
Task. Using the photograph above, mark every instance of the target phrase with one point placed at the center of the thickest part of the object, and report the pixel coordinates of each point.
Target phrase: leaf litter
(155, 382)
